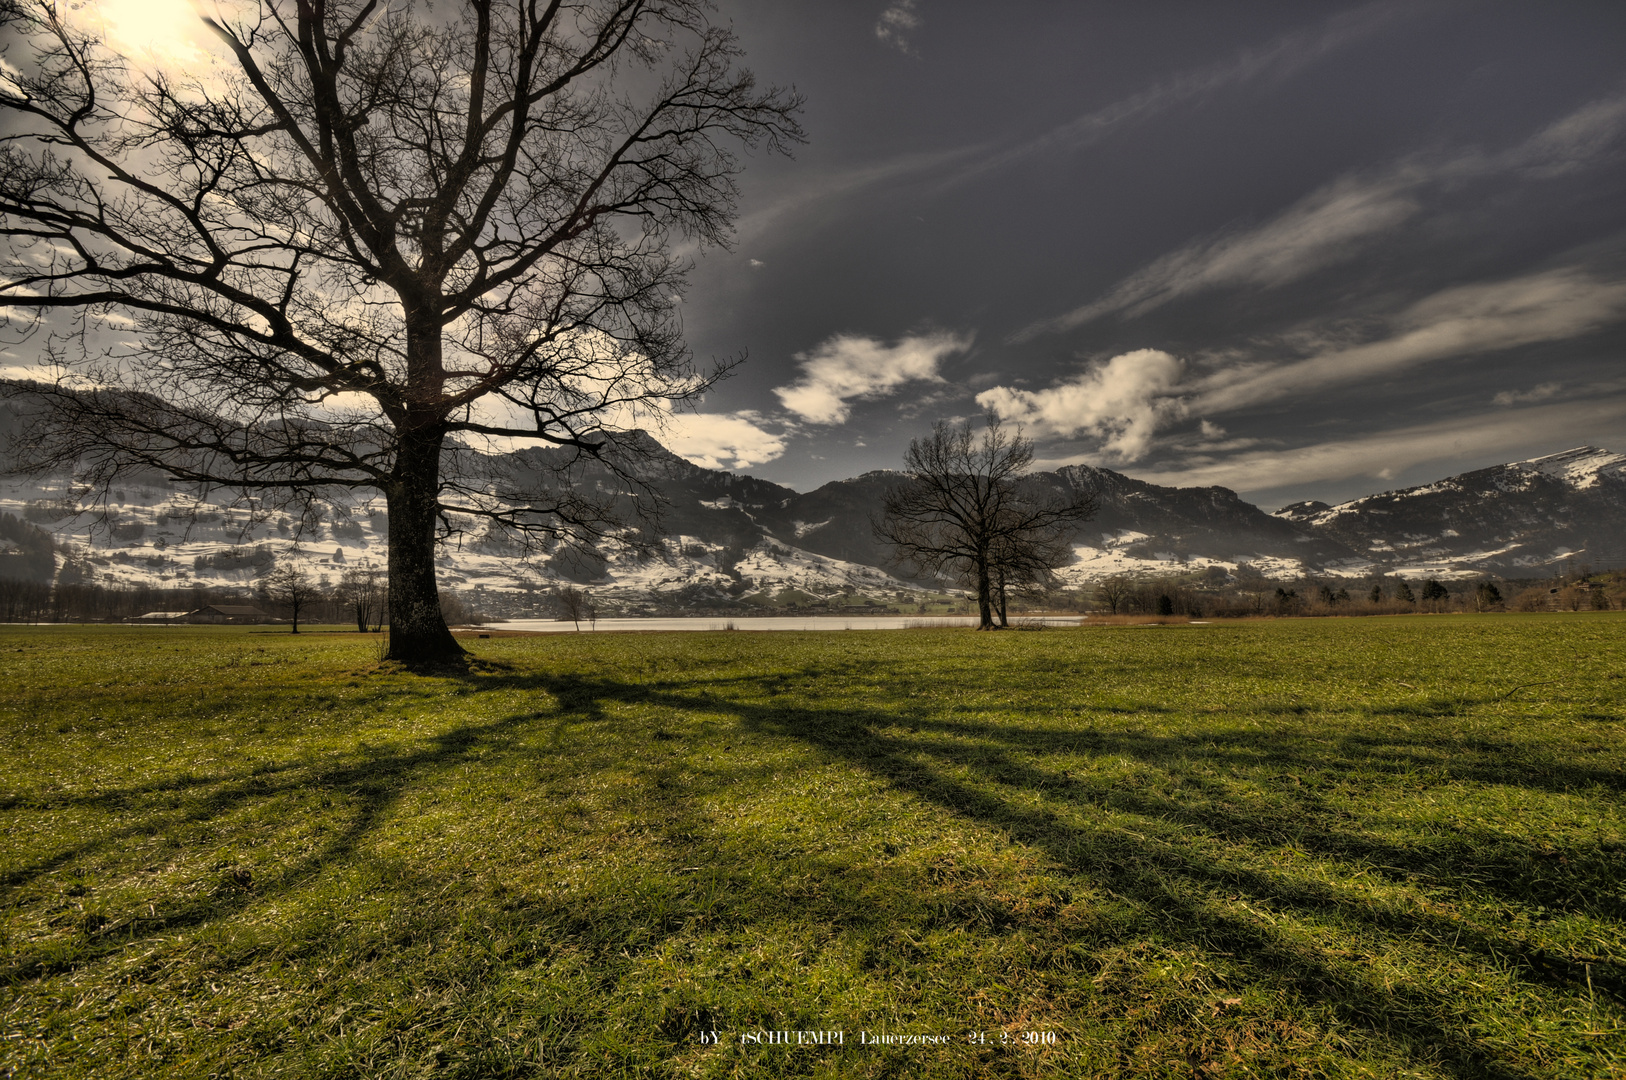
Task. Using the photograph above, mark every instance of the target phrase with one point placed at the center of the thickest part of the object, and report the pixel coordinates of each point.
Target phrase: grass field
(1377, 847)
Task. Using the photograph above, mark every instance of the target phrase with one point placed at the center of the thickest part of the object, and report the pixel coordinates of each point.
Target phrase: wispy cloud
(1575, 141)
(806, 193)
(1551, 306)
(1277, 58)
(850, 367)
(896, 23)
(1121, 402)
(1382, 455)
(1322, 228)
(1330, 224)
(1126, 401)
(1535, 393)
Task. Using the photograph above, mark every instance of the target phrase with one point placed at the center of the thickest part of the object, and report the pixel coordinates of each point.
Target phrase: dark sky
(1301, 250)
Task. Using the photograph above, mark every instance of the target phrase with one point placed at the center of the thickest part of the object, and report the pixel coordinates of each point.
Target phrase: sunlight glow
(161, 35)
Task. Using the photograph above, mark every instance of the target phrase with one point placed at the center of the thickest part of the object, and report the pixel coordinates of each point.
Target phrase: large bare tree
(965, 511)
(375, 236)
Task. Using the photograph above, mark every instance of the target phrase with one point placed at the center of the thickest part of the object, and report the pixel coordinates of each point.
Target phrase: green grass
(1377, 847)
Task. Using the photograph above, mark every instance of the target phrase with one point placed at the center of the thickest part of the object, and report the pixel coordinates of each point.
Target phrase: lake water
(775, 622)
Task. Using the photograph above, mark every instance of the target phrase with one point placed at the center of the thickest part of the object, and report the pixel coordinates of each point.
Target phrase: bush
(1537, 599)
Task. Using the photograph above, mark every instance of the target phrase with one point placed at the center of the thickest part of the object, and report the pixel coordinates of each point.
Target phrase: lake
(767, 622)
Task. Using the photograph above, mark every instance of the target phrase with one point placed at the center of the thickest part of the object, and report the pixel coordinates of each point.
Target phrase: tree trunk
(985, 598)
(418, 633)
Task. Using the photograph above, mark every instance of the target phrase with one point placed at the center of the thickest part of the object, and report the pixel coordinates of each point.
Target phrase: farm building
(228, 613)
(160, 617)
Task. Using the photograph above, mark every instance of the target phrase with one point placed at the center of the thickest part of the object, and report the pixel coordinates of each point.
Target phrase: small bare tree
(574, 605)
(1024, 563)
(964, 511)
(1113, 592)
(292, 588)
(364, 590)
(380, 234)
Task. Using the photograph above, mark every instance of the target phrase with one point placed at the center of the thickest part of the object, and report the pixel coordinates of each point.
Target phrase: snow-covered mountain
(1516, 519)
(727, 538)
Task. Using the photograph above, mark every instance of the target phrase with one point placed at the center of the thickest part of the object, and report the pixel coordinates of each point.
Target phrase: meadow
(1385, 847)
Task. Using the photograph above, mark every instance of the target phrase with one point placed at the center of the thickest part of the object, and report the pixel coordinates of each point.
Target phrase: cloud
(734, 440)
(1485, 317)
(898, 20)
(721, 440)
(1535, 393)
(1573, 141)
(1320, 229)
(1327, 225)
(849, 368)
(799, 199)
(163, 36)
(1125, 401)
(1499, 434)
(1277, 58)
(1121, 401)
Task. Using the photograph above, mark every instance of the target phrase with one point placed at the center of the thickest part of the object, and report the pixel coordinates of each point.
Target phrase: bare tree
(1024, 561)
(365, 591)
(381, 234)
(964, 511)
(1113, 592)
(291, 587)
(574, 605)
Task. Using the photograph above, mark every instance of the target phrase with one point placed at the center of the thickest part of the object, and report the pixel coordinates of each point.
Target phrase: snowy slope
(1518, 518)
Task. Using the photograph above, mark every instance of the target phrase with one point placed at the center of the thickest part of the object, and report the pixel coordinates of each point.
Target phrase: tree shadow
(918, 752)
(369, 785)
(966, 763)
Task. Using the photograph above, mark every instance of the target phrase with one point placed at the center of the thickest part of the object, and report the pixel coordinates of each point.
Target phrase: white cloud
(1502, 435)
(1486, 317)
(734, 440)
(1121, 401)
(849, 367)
(898, 20)
(721, 440)
(1535, 393)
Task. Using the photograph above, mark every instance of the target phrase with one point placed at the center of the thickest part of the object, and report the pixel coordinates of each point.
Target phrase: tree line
(359, 598)
(1217, 594)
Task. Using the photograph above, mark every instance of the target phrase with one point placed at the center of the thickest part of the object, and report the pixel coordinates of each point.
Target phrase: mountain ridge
(725, 537)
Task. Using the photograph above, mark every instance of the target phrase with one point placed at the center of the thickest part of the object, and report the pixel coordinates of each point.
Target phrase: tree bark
(985, 599)
(418, 633)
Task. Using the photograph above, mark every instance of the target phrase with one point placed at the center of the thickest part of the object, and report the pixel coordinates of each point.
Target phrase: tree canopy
(965, 511)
